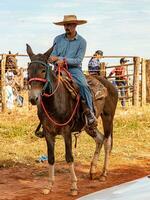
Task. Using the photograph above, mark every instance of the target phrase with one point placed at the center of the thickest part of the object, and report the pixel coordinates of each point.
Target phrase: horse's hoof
(92, 172)
(74, 192)
(102, 178)
(46, 191)
(92, 176)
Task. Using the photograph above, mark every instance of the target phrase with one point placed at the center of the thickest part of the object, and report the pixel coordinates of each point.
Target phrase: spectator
(9, 76)
(94, 63)
(120, 79)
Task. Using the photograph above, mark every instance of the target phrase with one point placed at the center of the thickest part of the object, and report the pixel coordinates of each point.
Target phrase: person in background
(94, 63)
(9, 78)
(120, 79)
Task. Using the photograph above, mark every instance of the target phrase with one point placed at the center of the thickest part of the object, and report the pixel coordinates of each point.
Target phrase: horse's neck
(60, 101)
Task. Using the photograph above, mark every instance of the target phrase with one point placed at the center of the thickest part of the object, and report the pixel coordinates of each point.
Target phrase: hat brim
(77, 22)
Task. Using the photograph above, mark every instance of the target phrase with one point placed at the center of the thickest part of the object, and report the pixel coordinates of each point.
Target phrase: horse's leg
(51, 160)
(108, 131)
(69, 160)
(98, 137)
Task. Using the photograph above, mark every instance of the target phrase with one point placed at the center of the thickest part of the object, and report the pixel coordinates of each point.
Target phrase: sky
(118, 27)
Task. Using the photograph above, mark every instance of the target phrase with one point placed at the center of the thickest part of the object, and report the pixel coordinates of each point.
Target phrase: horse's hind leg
(50, 148)
(98, 137)
(108, 132)
(69, 159)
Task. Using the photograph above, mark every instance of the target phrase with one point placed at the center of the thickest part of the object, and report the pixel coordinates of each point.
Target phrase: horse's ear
(48, 53)
(29, 51)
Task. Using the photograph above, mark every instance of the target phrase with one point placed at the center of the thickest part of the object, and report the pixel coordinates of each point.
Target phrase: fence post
(148, 81)
(143, 102)
(136, 81)
(103, 69)
(21, 79)
(3, 85)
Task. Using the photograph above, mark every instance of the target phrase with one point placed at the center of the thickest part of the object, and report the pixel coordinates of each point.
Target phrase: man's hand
(60, 63)
(53, 59)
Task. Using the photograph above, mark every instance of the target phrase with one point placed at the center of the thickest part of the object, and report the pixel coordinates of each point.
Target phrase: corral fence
(3, 70)
(137, 89)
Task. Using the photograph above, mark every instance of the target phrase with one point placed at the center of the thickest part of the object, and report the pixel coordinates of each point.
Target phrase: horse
(11, 63)
(60, 114)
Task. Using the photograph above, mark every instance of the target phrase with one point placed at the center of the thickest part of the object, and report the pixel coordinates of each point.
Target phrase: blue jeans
(81, 81)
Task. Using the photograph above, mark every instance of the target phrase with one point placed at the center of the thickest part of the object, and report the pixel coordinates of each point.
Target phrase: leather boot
(90, 118)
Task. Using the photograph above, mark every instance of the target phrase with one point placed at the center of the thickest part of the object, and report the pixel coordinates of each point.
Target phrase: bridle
(48, 84)
(45, 80)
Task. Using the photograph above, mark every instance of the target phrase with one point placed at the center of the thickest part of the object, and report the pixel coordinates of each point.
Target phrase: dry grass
(131, 139)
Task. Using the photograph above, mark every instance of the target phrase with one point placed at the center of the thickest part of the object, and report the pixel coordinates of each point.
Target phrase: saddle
(69, 83)
(99, 92)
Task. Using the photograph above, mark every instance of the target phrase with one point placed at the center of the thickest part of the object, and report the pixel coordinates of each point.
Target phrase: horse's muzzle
(34, 96)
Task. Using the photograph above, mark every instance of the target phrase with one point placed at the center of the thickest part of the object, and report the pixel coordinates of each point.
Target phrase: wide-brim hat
(70, 19)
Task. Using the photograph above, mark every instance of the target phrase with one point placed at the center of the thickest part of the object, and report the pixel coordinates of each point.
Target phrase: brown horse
(60, 114)
(11, 63)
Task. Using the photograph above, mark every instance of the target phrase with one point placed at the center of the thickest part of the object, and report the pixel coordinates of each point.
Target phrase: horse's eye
(43, 71)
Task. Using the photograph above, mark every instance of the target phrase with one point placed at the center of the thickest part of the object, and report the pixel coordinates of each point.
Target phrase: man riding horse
(58, 112)
(70, 47)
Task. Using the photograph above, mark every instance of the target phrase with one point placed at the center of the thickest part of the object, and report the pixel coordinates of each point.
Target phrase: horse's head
(37, 70)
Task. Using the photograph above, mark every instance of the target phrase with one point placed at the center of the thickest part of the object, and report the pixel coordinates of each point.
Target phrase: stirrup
(92, 124)
(39, 133)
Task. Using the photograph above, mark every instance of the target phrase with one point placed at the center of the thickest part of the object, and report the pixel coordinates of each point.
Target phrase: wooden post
(136, 81)
(21, 79)
(143, 102)
(148, 81)
(102, 69)
(3, 85)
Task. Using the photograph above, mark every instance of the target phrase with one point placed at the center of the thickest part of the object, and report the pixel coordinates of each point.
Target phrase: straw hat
(68, 19)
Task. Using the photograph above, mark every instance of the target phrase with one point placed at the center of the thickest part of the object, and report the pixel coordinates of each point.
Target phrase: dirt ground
(25, 182)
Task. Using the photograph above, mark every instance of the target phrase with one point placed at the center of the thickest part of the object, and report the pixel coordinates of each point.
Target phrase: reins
(54, 121)
(47, 82)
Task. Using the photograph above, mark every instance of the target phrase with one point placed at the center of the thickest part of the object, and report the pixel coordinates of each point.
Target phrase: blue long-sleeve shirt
(71, 50)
